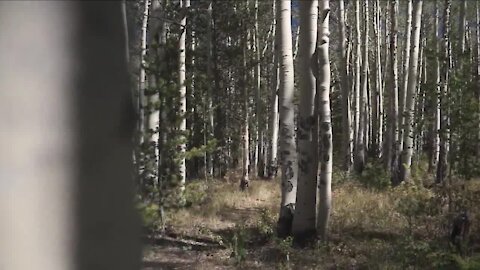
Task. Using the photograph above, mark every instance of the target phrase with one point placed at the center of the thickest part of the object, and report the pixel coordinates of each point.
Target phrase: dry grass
(369, 228)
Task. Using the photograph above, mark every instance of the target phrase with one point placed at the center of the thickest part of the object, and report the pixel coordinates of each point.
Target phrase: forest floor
(372, 226)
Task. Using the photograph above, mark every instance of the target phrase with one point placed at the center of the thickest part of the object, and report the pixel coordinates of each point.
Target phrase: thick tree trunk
(325, 127)
(347, 139)
(304, 220)
(288, 150)
(71, 142)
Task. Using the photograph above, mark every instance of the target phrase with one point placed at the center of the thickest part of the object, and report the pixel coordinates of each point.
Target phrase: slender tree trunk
(323, 92)
(295, 50)
(358, 53)
(462, 24)
(304, 220)
(260, 165)
(346, 116)
(210, 129)
(61, 162)
(184, 6)
(273, 164)
(142, 77)
(288, 155)
(436, 125)
(244, 183)
(442, 166)
(360, 154)
(377, 97)
(478, 73)
(406, 161)
(394, 117)
(406, 62)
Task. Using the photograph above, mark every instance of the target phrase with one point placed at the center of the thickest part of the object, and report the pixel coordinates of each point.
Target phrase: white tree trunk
(406, 160)
(346, 114)
(210, 130)
(406, 62)
(184, 6)
(304, 220)
(360, 155)
(156, 29)
(393, 124)
(288, 149)
(275, 92)
(323, 90)
(377, 97)
(244, 182)
(444, 130)
(260, 162)
(436, 125)
(142, 77)
(68, 151)
(356, 92)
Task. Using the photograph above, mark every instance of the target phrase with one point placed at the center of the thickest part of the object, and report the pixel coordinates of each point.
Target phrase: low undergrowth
(373, 225)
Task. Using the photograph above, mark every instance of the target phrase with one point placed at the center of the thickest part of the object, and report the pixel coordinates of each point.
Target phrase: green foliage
(196, 193)
(375, 177)
(150, 215)
(238, 244)
(286, 248)
(414, 201)
(266, 223)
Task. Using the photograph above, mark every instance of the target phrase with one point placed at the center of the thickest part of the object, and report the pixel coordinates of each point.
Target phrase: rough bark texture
(71, 143)
(304, 221)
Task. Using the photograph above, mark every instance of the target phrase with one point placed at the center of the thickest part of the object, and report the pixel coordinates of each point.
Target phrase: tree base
(284, 224)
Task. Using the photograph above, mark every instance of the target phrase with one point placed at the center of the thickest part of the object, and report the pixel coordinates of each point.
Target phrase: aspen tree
(304, 220)
(288, 151)
(346, 113)
(406, 160)
(325, 127)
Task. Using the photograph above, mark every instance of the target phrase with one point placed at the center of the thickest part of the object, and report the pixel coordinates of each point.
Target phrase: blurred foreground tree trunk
(67, 195)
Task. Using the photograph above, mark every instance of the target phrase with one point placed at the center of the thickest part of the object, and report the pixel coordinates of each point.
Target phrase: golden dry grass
(369, 228)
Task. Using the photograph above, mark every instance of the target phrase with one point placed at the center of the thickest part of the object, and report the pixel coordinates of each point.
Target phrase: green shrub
(374, 176)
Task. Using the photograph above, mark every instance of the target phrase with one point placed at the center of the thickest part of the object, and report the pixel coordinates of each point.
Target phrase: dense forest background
(215, 134)
(380, 96)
